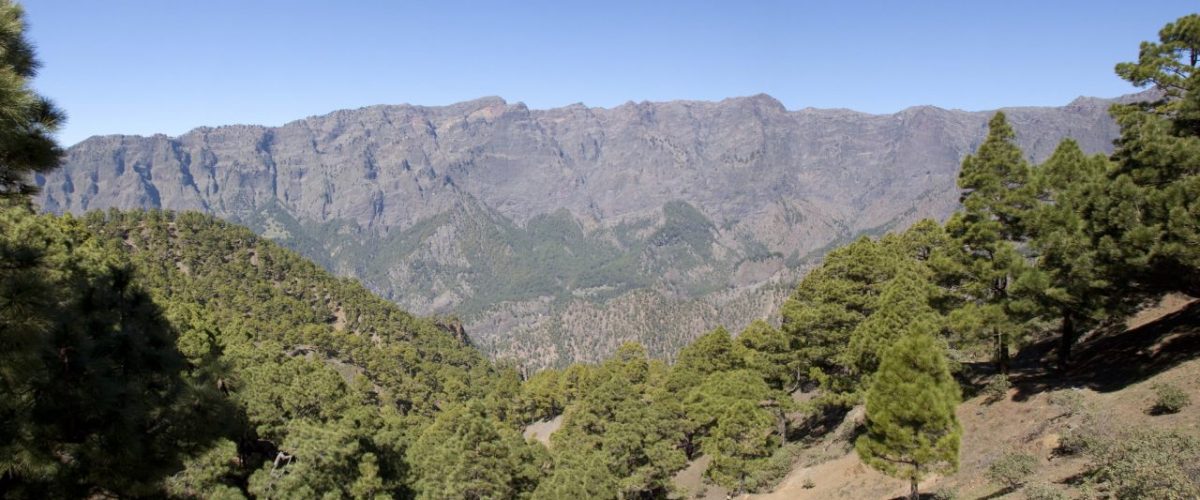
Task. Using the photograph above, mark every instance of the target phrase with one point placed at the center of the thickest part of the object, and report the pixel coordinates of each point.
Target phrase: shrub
(997, 389)
(1077, 441)
(1171, 399)
(775, 468)
(1148, 464)
(1012, 470)
(808, 484)
(1043, 491)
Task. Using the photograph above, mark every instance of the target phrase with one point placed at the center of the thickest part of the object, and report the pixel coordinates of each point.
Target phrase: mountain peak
(760, 100)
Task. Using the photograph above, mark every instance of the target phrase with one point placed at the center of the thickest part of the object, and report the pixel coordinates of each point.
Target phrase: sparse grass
(946, 493)
(1070, 400)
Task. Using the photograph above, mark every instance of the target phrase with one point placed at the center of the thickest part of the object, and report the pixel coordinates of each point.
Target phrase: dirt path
(843, 477)
(541, 430)
(691, 481)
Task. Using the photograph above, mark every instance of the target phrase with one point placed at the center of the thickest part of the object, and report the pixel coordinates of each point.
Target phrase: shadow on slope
(1111, 359)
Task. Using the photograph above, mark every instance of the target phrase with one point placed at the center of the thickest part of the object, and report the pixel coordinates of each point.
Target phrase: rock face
(557, 234)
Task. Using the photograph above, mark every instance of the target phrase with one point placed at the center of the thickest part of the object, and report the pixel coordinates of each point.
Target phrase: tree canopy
(27, 144)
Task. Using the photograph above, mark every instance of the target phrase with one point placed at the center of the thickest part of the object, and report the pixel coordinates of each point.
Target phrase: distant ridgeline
(159, 353)
(557, 235)
(149, 353)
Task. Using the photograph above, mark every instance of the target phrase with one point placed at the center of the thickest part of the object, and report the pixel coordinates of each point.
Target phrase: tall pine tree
(1067, 280)
(996, 199)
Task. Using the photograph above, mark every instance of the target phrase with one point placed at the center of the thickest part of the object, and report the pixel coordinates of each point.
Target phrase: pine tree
(712, 352)
(912, 429)
(1143, 224)
(623, 421)
(740, 444)
(706, 403)
(324, 460)
(996, 199)
(578, 473)
(767, 351)
(903, 309)
(466, 453)
(1068, 281)
(542, 395)
(27, 143)
(829, 303)
(89, 361)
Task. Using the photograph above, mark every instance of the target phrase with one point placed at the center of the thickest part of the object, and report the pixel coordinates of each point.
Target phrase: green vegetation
(997, 388)
(1169, 399)
(1147, 465)
(996, 197)
(27, 143)
(89, 362)
(911, 427)
(1012, 470)
(156, 354)
(467, 453)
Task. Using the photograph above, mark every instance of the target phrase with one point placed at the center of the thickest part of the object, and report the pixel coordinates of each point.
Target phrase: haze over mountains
(555, 235)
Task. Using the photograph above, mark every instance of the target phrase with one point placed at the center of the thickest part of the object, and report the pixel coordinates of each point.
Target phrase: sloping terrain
(557, 234)
(1160, 346)
(273, 303)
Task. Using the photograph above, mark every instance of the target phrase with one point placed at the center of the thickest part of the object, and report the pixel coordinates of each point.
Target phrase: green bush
(1012, 470)
(997, 389)
(1077, 441)
(1171, 399)
(1148, 464)
(775, 468)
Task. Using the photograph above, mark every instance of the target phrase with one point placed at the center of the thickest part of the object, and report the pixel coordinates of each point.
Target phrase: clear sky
(166, 66)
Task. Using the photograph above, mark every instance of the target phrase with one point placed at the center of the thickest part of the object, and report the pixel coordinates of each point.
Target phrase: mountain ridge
(1078, 100)
(452, 209)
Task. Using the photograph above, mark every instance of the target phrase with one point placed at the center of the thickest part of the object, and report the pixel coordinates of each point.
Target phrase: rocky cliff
(557, 234)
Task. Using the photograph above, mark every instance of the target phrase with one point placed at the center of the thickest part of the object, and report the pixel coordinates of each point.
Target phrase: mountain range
(556, 235)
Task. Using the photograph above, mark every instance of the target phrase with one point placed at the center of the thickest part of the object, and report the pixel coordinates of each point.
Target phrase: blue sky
(143, 67)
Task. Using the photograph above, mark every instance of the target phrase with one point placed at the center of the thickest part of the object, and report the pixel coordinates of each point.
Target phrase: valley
(557, 235)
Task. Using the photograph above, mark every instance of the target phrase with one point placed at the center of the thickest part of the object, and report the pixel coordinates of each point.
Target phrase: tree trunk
(1001, 352)
(1066, 340)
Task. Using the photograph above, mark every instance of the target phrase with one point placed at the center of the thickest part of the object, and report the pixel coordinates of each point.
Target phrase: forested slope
(272, 359)
(161, 354)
